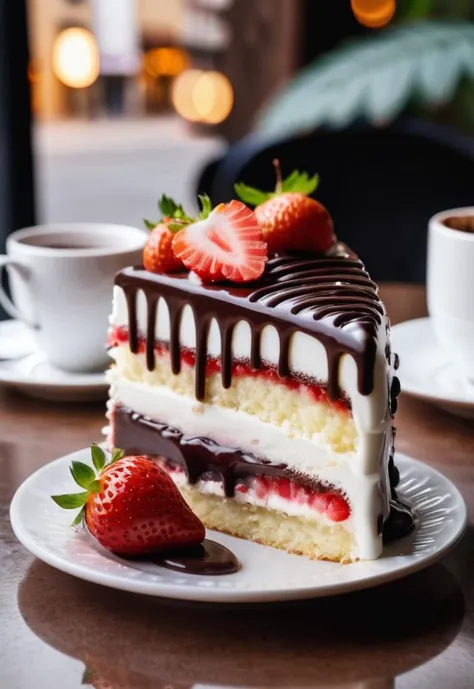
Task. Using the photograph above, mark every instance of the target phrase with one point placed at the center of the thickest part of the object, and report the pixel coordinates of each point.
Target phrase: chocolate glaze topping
(330, 298)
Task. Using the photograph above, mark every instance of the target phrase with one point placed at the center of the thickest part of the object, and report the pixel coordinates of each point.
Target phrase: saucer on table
(426, 373)
(24, 367)
(266, 574)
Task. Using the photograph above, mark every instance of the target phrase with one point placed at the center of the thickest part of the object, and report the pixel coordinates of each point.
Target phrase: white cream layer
(237, 429)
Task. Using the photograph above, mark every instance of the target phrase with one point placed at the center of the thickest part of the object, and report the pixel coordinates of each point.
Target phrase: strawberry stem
(279, 179)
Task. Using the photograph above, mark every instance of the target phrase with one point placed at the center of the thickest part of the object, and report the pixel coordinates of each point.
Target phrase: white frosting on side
(236, 429)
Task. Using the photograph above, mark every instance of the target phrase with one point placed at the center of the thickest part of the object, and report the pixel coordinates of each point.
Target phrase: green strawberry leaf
(71, 501)
(82, 474)
(94, 487)
(80, 517)
(149, 225)
(179, 214)
(303, 183)
(167, 206)
(98, 457)
(176, 226)
(171, 209)
(295, 182)
(206, 206)
(116, 455)
(288, 184)
(250, 195)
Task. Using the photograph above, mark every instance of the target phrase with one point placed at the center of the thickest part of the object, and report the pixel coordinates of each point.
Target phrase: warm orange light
(213, 97)
(168, 62)
(182, 94)
(203, 96)
(76, 58)
(373, 13)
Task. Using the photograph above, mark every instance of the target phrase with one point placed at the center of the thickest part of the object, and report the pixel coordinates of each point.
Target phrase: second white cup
(450, 285)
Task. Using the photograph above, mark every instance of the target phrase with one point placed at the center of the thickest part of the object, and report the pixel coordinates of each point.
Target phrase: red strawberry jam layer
(333, 505)
(119, 336)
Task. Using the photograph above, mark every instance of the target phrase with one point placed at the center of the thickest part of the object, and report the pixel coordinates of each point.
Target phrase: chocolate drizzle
(330, 298)
(152, 302)
(198, 457)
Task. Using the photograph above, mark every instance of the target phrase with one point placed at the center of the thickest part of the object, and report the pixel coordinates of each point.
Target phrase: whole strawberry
(158, 255)
(132, 507)
(290, 220)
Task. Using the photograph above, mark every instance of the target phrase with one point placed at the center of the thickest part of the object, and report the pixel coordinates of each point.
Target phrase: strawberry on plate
(225, 244)
(289, 218)
(131, 506)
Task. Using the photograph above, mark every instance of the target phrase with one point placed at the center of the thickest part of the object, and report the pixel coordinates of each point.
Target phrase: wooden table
(55, 629)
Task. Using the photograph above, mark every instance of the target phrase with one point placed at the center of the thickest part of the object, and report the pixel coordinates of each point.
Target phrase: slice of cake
(268, 401)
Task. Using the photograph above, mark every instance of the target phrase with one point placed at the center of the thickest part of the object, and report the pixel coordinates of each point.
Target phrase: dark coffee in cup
(462, 223)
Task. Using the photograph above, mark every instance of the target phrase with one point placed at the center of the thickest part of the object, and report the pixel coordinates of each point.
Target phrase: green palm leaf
(375, 77)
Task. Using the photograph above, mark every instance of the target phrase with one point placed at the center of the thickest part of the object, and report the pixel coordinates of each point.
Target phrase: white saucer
(424, 371)
(31, 373)
(266, 574)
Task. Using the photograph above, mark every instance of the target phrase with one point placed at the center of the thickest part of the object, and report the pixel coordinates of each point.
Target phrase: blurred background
(106, 104)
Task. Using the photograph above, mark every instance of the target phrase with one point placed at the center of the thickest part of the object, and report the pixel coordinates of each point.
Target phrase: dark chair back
(381, 185)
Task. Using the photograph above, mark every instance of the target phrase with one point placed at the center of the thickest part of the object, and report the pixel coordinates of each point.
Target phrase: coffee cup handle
(5, 300)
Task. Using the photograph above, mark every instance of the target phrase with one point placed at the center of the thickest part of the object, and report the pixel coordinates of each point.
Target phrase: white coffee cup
(450, 285)
(61, 279)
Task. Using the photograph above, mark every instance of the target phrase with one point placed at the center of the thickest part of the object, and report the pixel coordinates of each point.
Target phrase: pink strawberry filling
(119, 335)
(332, 505)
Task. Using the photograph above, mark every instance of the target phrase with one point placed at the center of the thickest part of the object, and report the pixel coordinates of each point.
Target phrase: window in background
(120, 118)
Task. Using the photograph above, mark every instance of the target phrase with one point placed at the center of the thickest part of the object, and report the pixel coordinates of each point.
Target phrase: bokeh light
(165, 62)
(76, 59)
(182, 94)
(373, 13)
(213, 97)
(203, 96)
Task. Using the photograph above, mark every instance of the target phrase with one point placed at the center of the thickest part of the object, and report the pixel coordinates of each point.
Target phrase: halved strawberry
(228, 244)
(132, 506)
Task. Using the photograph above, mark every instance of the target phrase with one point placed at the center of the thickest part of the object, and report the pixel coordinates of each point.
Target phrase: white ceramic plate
(24, 367)
(424, 371)
(266, 574)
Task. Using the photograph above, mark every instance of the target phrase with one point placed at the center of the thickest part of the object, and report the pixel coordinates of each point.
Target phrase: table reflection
(128, 641)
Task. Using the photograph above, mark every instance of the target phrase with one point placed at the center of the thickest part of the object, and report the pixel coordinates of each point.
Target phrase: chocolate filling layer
(199, 457)
(204, 458)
